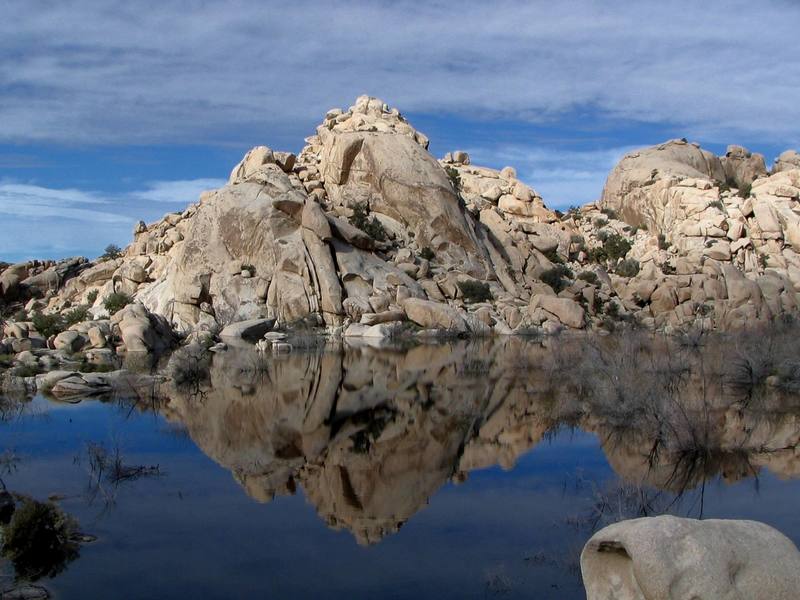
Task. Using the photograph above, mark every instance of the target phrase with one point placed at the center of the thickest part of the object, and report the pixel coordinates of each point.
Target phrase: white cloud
(43, 222)
(183, 191)
(149, 71)
(41, 203)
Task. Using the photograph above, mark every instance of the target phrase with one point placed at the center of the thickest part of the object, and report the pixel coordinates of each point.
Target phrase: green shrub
(92, 297)
(116, 302)
(662, 242)
(40, 540)
(610, 213)
(426, 253)
(667, 269)
(369, 225)
(598, 223)
(79, 314)
(555, 277)
(762, 261)
(553, 257)
(47, 325)
(614, 247)
(589, 277)
(20, 316)
(111, 252)
(716, 204)
(744, 191)
(475, 291)
(455, 178)
(627, 268)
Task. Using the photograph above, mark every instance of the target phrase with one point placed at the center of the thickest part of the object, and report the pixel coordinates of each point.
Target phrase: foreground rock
(667, 558)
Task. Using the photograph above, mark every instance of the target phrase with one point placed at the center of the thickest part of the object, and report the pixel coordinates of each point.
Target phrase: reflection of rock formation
(370, 435)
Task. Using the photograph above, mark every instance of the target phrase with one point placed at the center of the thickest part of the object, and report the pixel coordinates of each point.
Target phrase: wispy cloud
(87, 71)
(183, 191)
(43, 222)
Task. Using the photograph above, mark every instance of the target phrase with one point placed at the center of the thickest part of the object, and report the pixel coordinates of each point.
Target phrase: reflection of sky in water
(195, 533)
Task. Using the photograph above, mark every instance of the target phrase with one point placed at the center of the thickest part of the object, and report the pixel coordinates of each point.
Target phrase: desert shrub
(762, 261)
(589, 277)
(455, 178)
(599, 223)
(111, 252)
(667, 269)
(610, 213)
(79, 314)
(556, 277)
(627, 268)
(116, 302)
(40, 540)
(553, 257)
(92, 297)
(426, 253)
(716, 204)
(744, 191)
(190, 367)
(369, 225)
(614, 247)
(662, 242)
(475, 291)
(47, 325)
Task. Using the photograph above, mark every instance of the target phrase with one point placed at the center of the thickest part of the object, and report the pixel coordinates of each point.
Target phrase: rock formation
(366, 234)
(667, 558)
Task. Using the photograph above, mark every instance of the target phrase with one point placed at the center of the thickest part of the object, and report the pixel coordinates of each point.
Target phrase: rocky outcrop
(364, 219)
(668, 558)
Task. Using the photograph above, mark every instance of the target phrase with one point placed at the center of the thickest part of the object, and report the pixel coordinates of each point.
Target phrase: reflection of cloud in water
(370, 435)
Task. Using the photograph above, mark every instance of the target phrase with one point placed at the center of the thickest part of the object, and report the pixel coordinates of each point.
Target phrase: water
(462, 470)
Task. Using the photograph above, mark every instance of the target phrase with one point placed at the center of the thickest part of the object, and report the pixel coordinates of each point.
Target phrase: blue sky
(115, 111)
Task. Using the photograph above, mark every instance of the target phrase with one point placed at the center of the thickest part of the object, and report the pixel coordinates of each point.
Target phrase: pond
(460, 469)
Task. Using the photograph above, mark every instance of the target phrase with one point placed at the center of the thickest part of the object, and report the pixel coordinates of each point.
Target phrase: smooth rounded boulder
(669, 558)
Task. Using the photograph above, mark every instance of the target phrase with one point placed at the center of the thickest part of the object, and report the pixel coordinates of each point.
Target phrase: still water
(457, 470)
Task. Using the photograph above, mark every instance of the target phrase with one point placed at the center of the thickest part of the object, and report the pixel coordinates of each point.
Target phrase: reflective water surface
(466, 469)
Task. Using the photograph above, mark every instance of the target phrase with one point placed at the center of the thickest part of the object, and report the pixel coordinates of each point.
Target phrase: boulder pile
(365, 233)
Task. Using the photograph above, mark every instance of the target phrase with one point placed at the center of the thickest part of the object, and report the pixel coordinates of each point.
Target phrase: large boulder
(245, 256)
(435, 315)
(640, 187)
(787, 160)
(142, 331)
(391, 173)
(742, 166)
(668, 558)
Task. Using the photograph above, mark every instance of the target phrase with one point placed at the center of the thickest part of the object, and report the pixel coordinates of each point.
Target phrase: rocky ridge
(366, 234)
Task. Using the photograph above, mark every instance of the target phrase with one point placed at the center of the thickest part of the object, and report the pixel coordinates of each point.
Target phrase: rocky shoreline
(365, 234)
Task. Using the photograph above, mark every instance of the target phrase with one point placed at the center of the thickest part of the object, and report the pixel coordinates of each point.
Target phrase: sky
(111, 112)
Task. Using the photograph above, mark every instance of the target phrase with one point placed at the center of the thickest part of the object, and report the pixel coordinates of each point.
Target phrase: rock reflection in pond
(370, 435)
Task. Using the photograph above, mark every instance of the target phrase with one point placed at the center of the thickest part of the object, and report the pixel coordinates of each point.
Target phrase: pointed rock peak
(370, 114)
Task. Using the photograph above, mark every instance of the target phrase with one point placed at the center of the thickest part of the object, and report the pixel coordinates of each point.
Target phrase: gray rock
(251, 330)
(668, 558)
